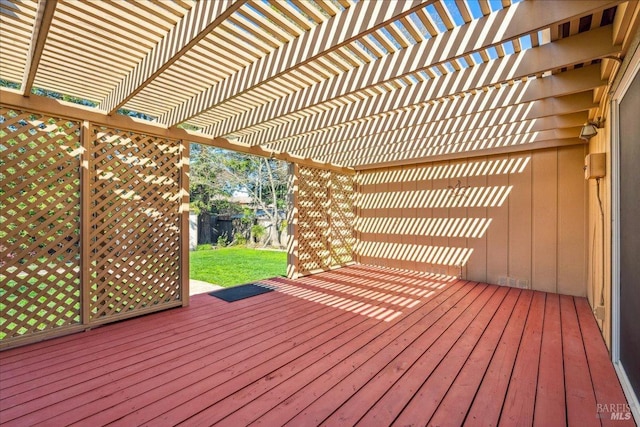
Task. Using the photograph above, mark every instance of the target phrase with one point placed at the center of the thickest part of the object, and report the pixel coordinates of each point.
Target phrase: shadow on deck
(360, 345)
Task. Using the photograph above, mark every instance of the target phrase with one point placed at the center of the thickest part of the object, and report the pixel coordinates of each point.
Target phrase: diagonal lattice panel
(342, 219)
(135, 224)
(326, 217)
(313, 220)
(39, 223)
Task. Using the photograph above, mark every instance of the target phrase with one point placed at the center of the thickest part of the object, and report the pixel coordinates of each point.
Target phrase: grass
(236, 265)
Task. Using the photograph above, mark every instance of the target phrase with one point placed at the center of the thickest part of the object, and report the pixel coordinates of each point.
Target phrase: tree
(265, 180)
(217, 174)
(205, 186)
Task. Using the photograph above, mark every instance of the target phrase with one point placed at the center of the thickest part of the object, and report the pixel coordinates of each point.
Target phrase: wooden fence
(93, 225)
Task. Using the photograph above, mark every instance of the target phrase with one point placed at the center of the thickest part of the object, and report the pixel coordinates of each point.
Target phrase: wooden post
(355, 253)
(329, 232)
(85, 222)
(292, 223)
(184, 225)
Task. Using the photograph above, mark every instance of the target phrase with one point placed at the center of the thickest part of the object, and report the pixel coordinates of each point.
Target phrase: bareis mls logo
(613, 411)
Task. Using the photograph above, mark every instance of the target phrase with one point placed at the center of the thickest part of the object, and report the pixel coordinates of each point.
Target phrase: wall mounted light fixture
(590, 129)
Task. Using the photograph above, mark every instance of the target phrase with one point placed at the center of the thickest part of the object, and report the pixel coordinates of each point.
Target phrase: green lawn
(236, 265)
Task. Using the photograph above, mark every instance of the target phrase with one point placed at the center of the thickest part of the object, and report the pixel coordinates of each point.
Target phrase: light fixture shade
(588, 131)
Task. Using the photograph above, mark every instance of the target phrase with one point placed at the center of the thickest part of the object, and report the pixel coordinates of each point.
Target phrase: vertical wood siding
(517, 219)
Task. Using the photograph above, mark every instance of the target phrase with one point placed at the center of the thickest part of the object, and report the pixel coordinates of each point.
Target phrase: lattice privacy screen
(133, 194)
(324, 220)
(135, 222)
(342, 216)
(39, 223)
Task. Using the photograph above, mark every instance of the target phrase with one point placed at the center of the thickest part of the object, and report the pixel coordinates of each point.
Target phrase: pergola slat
(200, 21)
(527, 63)
(478, 134)
(562, 99)
(363, 18)
(44, 17)
(36, 103)
(430, 126)
(517, 20)
(300, 78)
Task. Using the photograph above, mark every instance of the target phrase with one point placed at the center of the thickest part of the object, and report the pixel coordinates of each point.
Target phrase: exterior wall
(518, 219)
(599, 252)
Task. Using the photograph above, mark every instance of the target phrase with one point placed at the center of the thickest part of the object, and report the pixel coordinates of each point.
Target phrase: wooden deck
(360, 345)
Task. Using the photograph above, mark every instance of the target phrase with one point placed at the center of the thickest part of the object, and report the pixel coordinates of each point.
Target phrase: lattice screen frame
(40, 286)
(75, 138)
(321, 222)
(135, 230)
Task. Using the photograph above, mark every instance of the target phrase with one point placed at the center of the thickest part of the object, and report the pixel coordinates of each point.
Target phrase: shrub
(239, 239)
(222, 241)
(258, 231)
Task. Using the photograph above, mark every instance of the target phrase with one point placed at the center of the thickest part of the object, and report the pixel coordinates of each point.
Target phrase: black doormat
(239, 292)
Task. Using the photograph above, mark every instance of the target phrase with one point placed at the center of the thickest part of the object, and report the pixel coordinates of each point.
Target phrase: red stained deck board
(424, 335)
(399, 380)
(229, 404)
(200, 396)
(580, 397)
(70, 344)
(469, 353)
(64, 356)
(487, 405)
(607, 388)
(336, 280)
(520, 400)
(455, 404)
(550, 406)
(409, 285)
(235, 409)
(157, 343)
(422, 403)
(334, 374)
(288, 399)
(90, 376)
(225, 363)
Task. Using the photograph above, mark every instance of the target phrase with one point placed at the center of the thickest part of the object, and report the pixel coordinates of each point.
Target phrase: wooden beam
(578, 49)
(14, 99)
(44, 16)
(541, 145)
(480, 134)
(464, 148)
(361, 19)
(625, 15)
(558, 85)
(512, 120)
(626, 23)
(506, 24)
(193, 27)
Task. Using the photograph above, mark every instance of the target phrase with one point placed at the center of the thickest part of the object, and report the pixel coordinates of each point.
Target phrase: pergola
(434, 136)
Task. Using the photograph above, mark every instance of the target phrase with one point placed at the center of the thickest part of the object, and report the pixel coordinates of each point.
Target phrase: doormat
(240, 292)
